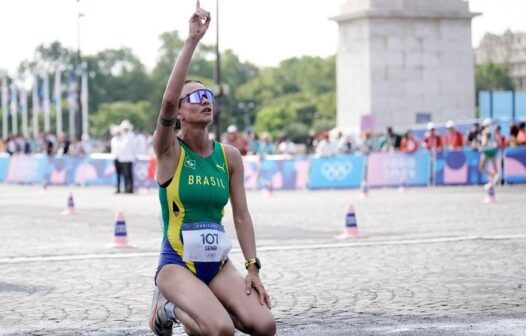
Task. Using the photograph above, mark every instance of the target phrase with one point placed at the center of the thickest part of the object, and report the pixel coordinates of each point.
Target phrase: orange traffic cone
(351, 225)
(70, 209)
(121, 236)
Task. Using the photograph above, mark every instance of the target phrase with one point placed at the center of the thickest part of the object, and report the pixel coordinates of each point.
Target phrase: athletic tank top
(198, 192)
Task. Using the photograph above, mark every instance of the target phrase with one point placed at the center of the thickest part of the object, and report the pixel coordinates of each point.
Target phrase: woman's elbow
(169, 103)
(242, 217)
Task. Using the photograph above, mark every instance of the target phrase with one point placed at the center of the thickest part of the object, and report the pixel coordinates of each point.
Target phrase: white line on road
(14, 260)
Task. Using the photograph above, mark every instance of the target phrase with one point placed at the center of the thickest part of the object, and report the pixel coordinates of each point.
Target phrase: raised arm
(164, 138)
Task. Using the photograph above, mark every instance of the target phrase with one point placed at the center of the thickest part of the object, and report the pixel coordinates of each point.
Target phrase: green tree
(305, 87)
(274, 119)
(140, 114)
(46, 57)
(492, 76)
(117, 75)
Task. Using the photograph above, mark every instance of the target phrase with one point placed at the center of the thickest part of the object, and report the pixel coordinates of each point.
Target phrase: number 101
(210, 238)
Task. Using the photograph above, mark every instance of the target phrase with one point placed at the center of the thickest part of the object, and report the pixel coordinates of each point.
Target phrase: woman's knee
(218, 327)
(262, 326)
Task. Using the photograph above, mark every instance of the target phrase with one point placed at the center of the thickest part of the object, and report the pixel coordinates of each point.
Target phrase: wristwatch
(253, 261)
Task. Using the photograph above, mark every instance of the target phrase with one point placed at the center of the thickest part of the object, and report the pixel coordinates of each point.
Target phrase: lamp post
(245, 109)
(78, 71)
(217, 79)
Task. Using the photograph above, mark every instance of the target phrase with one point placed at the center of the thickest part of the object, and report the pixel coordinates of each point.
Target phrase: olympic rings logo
(336, 170)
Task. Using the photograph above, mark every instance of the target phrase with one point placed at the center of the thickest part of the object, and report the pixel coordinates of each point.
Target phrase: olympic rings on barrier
(336, 171)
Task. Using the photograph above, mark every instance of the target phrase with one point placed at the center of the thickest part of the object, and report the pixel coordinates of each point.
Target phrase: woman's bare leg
(248, 314)
(197, 308)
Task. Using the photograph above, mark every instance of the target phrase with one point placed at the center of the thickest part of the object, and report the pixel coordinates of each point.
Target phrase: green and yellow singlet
(198, 192)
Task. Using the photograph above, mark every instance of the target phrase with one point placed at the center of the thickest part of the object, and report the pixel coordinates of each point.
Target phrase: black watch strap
(253, 261)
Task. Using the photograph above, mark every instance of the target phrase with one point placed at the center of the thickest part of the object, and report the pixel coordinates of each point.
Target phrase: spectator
(233, 138)
(127, 155)
(501, 139)
(49, 144)
(115, 148)
(253, 144)
(453, 140)
(310, 142)
(408, 144)
(63, 147)
(432, 141)
(266, 146)
(392, 141)
(11, 145)
(521, 137)
(287, 147)
(473, 137)
(343, 143)
(141, 139)
(514, 132)
(85, 146)
(367, 145)
(326, 147)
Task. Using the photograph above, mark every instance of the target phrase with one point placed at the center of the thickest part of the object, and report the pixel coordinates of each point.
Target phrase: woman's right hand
(199, 23)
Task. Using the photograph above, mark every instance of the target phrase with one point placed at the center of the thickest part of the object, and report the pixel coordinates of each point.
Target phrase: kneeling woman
(197, 285)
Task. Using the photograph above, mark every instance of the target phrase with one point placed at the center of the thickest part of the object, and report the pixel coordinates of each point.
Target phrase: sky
(261, 32)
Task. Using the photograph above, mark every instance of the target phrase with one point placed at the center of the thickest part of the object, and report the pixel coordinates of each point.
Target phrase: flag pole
(45, 102)
(58, 99)
(36, 107)
(23, 105)
(14, 109)
(5, 110)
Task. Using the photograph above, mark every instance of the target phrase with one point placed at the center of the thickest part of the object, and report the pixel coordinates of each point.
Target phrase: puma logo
(221, 167)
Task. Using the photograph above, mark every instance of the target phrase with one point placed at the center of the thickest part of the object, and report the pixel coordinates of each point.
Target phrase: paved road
(431, 261)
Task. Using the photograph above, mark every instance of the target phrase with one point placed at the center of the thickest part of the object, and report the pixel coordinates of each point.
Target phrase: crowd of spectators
(46, 143)
(455, 139)
(319, 144)
(329, 143)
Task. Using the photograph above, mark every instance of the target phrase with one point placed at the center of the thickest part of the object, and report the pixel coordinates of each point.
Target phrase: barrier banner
(395, 169)
(61, 170)
(4, 166)
(144, 174)
(95, 172)
(336, 172)
(251, 165)
(515, 165)
(458, 167)
(79, 170)
(27, 168)
(286, 174)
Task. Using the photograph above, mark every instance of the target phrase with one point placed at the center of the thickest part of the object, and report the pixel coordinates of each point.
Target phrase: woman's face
(195, 113)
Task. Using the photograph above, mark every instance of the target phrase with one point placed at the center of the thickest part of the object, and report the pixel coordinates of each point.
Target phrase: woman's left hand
(252, 281)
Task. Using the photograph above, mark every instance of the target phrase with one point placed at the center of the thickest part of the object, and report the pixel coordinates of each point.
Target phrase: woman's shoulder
(230, 150)
(233, 154)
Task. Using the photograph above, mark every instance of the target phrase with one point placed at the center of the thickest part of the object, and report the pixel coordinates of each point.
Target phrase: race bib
(205, 242)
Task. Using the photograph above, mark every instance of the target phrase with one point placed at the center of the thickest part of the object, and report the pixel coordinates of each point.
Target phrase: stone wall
(398, 58)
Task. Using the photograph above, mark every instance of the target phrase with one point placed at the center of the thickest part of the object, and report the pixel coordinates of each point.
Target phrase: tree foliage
(139, 114)
(492, 76)
(285, 100)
